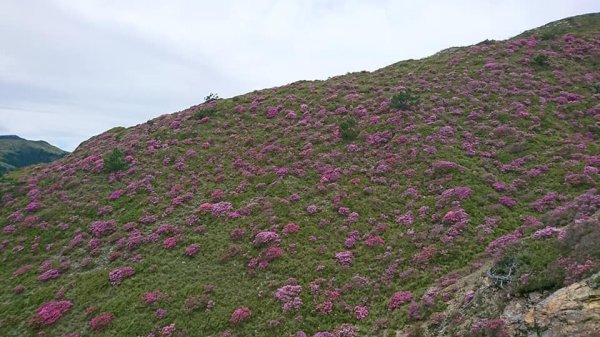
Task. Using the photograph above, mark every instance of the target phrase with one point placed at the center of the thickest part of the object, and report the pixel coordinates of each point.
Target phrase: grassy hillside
(343, 207)
(17, 152)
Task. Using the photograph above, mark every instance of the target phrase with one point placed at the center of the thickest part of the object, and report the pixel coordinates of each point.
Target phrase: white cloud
(123, 62)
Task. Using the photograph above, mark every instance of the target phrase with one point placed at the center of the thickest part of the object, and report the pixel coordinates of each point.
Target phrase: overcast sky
(72, 69)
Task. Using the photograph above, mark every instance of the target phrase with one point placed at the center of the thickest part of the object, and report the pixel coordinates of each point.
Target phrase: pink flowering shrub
(50, 312)
(101, 321)
(170, 243)
(192, 249)
(117, 276)
(263, 238)
(152, 296)
(399, 298)
(237, 234)
(221, 209)
(506, 201)
(361, 312)
(375, 240)
(288, 296)
(498, 246)
(291, 228)
(169, 330)
(489, 327)
(103, 228)
(312, 209)
(344, 258)
(239, 315)
(549, 231)
(49, 275)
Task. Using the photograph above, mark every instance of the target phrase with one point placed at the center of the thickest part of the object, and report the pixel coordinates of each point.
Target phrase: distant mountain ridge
(16, 152)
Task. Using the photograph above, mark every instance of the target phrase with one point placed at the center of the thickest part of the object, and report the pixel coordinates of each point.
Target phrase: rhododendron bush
(322, 208)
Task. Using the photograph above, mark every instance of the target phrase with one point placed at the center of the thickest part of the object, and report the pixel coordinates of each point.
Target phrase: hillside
(367, 204)
(16, 152)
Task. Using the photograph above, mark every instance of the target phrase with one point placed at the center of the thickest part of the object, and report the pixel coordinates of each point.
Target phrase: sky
(70, 70)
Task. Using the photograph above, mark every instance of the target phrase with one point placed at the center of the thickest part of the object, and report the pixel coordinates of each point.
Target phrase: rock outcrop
(570, 311)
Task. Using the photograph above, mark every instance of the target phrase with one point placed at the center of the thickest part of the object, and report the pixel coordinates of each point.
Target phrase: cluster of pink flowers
(312, 209)
(429, 296)
(221, 208)
(547, 201)
(398, 299)
(445, 166)
(169, 330)
(549, 231)
(497, 247)
(152, 296)
(117, 276)
(50, 312)
(344, 258)
(291, 228)
(170, 243)
(361, 312)
(237, 234)
(374, 240)
(103, 228)
(239, 315)
(116, 194)
(101, 321)
(425, 255)
(49, 275)
(489, 327)
(288, 295)
(352, 238)
(574, 270)
(192, 249)
(507, 201)
(266, 237)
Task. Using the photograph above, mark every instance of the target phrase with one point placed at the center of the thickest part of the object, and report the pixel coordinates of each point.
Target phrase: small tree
(211, 97)
(404, 100)
(540, 61)
(115, 161)
(348, 129)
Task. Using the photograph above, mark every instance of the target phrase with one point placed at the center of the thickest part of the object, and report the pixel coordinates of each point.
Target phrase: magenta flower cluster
(103, 228)
(263, 238)
(288, 295)
(117, 276)
(239, 315)
(101, 321)
(398, 299)
(344, 258)
(50, 312)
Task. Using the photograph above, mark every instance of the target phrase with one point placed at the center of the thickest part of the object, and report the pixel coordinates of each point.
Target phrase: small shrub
(211, 97)
(486, 42)
(548, 35)
(540, 61)
(404, 100)
(348, 129)
(115, 161)
(102, 321)
(205, 112)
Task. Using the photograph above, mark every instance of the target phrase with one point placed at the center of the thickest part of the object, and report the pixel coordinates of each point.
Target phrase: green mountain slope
(16, 152)
(346, 207)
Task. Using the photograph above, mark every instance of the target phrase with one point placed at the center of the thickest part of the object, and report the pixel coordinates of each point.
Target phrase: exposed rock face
(570, 311)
